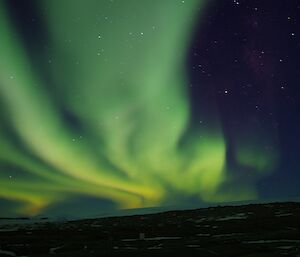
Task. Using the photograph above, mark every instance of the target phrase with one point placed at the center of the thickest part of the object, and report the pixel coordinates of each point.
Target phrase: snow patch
(156, 247)
(152, 238)
(286, 247)
(203, 234)
(231, 234)
(54, 249)
(9, 253)
(9, 229)
(284, 214)
(238, 216)
(272, 241)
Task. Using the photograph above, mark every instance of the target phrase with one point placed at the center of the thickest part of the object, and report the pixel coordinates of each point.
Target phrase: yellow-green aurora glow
(117, 68)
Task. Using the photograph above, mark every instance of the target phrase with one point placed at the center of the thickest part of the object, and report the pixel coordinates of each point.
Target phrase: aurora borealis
(101, 99)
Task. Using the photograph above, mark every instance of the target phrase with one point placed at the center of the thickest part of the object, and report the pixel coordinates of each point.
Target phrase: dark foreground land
(252, 230)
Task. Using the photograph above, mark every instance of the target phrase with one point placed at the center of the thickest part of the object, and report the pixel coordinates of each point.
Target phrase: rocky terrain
(255, 230)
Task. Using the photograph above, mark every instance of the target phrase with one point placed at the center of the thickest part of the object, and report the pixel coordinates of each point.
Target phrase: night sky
(110, 104)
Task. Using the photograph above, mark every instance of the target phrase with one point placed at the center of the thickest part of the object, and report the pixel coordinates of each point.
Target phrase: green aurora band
(118, 69)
